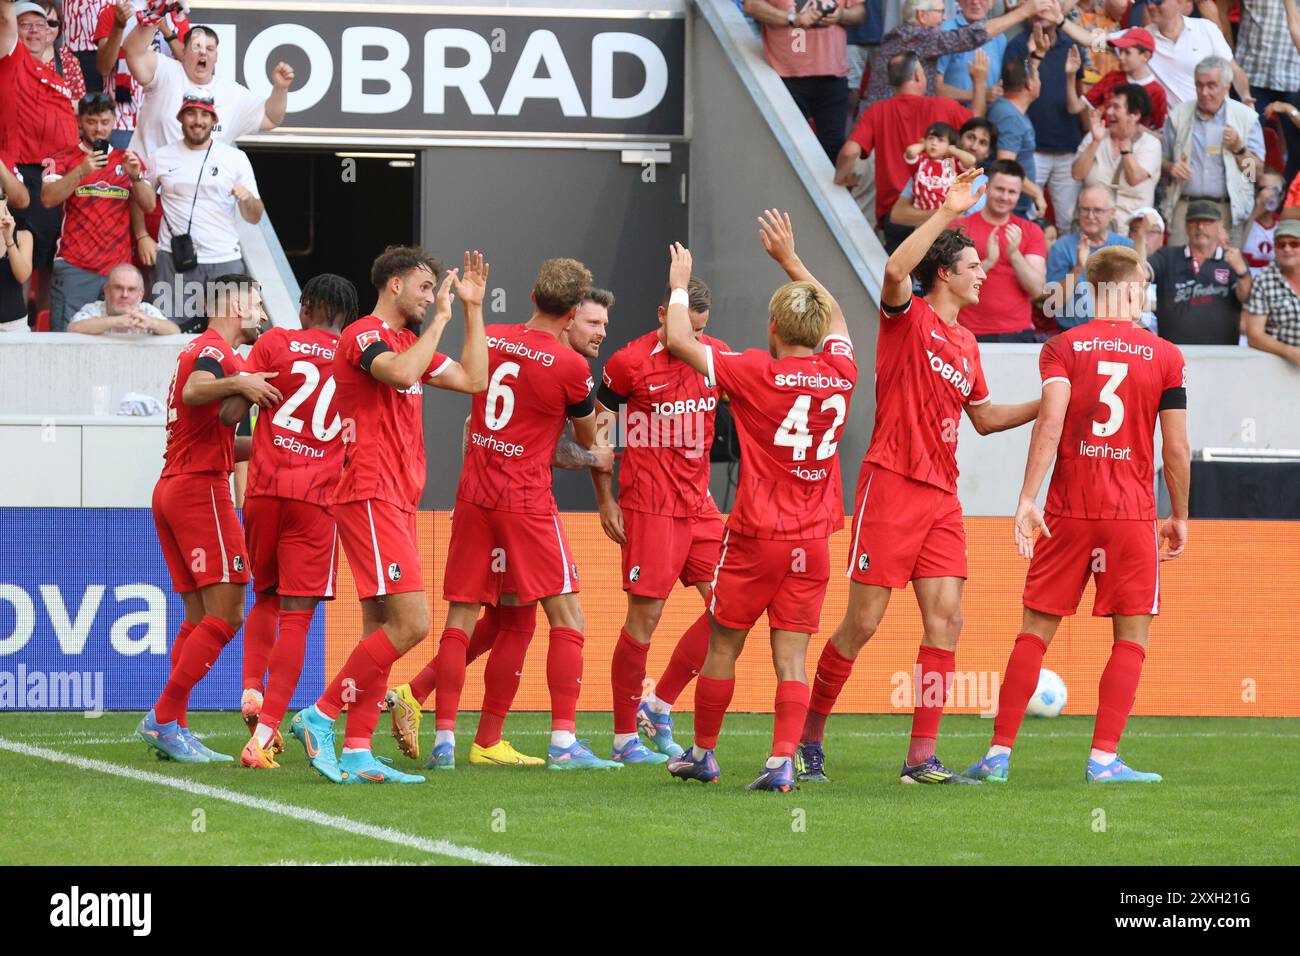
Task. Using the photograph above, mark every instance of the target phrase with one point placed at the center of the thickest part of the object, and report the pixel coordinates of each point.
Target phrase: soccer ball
(1049, 698)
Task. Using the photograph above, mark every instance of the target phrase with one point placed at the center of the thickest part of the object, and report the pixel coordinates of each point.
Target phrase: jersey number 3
(1115, 372)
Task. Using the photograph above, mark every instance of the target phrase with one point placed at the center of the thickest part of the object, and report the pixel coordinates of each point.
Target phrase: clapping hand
(471, 286)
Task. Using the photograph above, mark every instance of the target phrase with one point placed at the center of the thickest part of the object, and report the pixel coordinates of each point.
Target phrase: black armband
(1173, 398)
(583, 408)
(206, 363)
(895, 309)
(371, 353)
(610, 398)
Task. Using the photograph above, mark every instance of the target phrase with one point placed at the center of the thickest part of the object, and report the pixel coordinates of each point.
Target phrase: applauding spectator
(96, 185)
(116, 20)
(1120, 153)
(1200, 285)
(1013, 258)
(955, 79)
(1069, 297)
(1272, 316)
(15, 269)
(203, 184)
(1134, 48)
(123, 309)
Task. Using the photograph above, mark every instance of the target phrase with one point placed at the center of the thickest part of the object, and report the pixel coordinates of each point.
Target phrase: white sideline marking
(302, 814)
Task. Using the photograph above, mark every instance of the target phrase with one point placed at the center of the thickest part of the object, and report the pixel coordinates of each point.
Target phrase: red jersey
(535, 383)
(789, 413)
(97, 216)
(1004, 306)
(384, 447)
(196, 439)
(1118, 375)
(926, 371)
(297, 445)
(668, 429)
(38, 118)
(932, 180)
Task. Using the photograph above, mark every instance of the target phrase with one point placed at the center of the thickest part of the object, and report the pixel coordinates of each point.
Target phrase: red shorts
(199, 531)
(1122, 556)
(904, 529)
(379, 540)
(293, 546)
(787, 579)
(662, 550)
(489, 545)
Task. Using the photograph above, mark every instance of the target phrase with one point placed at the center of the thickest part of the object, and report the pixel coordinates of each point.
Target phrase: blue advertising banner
(88, 615)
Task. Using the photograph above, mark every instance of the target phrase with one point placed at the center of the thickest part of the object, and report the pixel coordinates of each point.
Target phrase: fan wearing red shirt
(506, 527)
(380, 368)
(200, 535)
(664, 518)
(907, 522)
(790, 403)
(295, 462)
(1105, 385)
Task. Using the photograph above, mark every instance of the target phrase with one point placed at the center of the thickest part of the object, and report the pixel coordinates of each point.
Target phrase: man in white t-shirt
(1181, 43)
(204, 183)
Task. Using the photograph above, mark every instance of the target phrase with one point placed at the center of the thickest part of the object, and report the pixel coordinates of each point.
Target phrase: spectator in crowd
(1133, 48)
(1120, 153)
(1261, 227)
(123, 309)
(1213, 150)
(15, 269)
(12, 187)
(861, 41)
(887, 128)
(1272, 316)
(977, 137)
(938, 159)
(920, 33)
(79, 18)
(37, 120)
(115, 21)
(204, 183)
(63, 60)
(1200, 285)
(97, 189)
(954, 79)
(1181, 43)
(1069, 297)
(1271, 62)
(1013, 251)
(1146, 229)
(1103, 17)
(1017, 139)
(814, 70)
(1054, 113)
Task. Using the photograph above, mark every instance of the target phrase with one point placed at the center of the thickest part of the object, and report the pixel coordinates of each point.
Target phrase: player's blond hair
(1111, 273)
(561, 286)
(802, 313)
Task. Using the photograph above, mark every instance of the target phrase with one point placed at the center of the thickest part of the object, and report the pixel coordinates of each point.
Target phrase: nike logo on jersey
(936, 335)
(655, 388)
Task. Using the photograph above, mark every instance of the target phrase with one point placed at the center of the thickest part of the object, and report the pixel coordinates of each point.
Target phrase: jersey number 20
(284, 417)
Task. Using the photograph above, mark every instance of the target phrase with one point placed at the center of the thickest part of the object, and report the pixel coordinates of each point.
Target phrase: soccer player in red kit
(790, 403)
(1105, 385)
(296, 459)
(506, 525)
(380, 368)
(198, 530)
(907, 523)
(664, 518)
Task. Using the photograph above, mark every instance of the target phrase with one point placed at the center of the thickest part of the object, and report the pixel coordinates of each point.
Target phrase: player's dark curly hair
(334, 294)
(398, 261)
(943, 253)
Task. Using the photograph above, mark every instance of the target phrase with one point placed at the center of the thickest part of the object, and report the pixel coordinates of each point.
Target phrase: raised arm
(141, 59)
(470, 374)
(777, 233)
(677, 326)
(404, 369)
(107, 49)
(8, 29)
(1042, 452)
(1177, 457)
(278, 101)
(1036, 8)
(897, 287)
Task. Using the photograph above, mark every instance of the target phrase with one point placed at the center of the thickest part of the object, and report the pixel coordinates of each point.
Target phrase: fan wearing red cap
(1134, 47)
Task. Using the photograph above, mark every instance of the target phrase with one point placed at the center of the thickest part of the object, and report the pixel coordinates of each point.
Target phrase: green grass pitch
(1228, 798)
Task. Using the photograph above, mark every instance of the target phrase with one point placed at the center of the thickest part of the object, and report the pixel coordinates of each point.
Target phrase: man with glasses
(1272, 315)
(1069, 298)
(97, 187)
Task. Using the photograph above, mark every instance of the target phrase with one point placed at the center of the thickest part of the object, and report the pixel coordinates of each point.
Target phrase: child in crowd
(938, 159)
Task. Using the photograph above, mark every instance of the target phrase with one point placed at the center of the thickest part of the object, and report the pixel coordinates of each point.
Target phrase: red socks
(451, 675)
(791, 708)
(202, 648)
(505, 663)
(285, 666)
(626, 677)
(833, 669)
(1116, 693)
(259, 637)
(1018, 685)
(688, 657)
(485, 634)
(564, 677)
(934, 667)
(370, 660)
(711, 700)
(178, 646)
(367, 669)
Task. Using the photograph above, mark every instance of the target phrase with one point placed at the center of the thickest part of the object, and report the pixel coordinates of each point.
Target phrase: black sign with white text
(434, 73)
